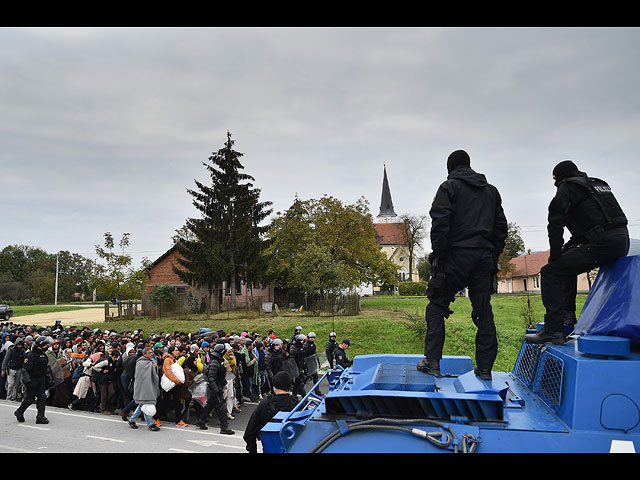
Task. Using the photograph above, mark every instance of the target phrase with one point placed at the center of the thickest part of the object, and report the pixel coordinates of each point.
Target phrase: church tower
(387, 214)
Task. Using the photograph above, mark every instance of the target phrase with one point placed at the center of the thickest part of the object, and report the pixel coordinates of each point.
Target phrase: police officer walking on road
(34, 376)
(599, 235)
(468, 232)
(216, 380)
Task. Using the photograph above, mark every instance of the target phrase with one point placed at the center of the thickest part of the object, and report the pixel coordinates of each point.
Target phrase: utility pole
(56, 294)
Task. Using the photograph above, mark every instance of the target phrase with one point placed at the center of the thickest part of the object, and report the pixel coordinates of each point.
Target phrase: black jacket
(217, 375)
(36, 365)
(579, 208)
(274, 361)
(467, 212)
(15, 357)
(264, 412)
(340, 358)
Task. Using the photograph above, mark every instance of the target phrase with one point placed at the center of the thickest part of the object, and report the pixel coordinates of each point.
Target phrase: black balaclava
(563, 170)
(456, 159)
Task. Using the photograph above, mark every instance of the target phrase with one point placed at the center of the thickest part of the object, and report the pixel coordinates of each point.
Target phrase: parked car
(5, 312)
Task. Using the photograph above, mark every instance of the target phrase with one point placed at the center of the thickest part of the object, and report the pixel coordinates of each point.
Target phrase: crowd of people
(177, 376)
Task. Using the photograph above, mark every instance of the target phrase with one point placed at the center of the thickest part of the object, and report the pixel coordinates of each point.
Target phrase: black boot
(42, 420)
(557, 338)
(202, 424)
(482, 373)
(19, 416)
(431, 367)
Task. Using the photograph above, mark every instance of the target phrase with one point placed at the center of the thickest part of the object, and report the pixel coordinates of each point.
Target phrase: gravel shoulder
(72, 317)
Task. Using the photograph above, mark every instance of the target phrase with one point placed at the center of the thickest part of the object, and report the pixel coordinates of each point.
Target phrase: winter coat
(146, 385)
(167, 361)
(467, 212)
(84, 382)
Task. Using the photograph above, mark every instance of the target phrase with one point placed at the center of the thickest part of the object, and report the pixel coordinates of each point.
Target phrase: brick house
(526, 275)
(188, 298)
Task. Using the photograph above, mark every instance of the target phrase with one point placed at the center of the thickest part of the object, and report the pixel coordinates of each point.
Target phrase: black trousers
(35, 393)
(215, 402)
(559, 279)
(462, 267)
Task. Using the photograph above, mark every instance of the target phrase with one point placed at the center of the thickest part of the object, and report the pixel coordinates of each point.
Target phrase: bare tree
(413, 234)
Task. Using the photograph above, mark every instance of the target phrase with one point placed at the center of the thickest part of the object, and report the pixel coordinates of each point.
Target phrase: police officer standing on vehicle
(468, 232)
(599, 235)
(34, 376)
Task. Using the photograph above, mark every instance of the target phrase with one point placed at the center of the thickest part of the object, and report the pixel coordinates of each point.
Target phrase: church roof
(389, 233)
(386, 204)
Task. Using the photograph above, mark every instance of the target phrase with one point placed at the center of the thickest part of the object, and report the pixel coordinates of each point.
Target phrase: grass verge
(386, 325)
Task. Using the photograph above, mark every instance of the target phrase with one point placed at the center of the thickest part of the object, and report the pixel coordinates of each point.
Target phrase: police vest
(599, 208)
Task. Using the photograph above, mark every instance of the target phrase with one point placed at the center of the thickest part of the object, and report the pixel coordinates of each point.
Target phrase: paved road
(85, 432)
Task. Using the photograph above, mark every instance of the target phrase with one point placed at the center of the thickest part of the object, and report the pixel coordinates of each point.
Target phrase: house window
(181, 290)
(536, 281)
(227, 289)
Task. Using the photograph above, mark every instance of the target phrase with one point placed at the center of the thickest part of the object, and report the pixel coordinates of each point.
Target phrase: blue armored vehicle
(583, 396)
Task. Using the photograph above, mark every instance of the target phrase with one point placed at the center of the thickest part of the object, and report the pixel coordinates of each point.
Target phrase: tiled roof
(389, 233)
(527, 265)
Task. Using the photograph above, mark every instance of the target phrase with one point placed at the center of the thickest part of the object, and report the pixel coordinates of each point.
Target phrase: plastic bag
(178, 371)
(149, 409)
(199, 392)
(166, 384)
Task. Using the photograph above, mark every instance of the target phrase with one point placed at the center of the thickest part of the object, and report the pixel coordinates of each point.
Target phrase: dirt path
(71, 317)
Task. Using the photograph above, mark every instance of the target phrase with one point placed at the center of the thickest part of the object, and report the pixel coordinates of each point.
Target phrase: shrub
(412, 289)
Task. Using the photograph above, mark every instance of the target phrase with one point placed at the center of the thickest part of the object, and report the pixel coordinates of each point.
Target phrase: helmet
(41, 342)
(219, 348)
(301, 337)
(333, 334)
(312, 335)
(277, 341)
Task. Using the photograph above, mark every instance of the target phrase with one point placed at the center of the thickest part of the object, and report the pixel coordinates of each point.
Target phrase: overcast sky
(105, 129)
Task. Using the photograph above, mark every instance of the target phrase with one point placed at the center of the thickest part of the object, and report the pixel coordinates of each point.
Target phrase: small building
(525, 276)
(188, 298)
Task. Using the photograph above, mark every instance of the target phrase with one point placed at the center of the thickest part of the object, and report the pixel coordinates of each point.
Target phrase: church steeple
(387, 214)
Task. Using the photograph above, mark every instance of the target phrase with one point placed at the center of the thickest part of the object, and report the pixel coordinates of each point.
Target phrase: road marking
(16, 449)
(181, 451)
(35, 428)
(213, 443)
(107, 439)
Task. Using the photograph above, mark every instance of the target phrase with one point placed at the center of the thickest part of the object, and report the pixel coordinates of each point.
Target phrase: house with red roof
(525, 276)
(188, 298)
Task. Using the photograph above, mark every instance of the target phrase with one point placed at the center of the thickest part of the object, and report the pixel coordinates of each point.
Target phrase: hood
(168, 355)
(572, 174)
(470, 177)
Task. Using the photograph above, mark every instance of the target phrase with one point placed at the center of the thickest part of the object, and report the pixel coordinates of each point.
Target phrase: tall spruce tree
(226, 243)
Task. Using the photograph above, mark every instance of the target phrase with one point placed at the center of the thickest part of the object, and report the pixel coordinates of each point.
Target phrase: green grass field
(386, 325)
